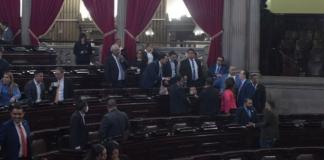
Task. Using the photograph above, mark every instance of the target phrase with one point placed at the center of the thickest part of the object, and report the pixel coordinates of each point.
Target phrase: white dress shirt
(19, 136)
(173, 69)
(121, 73)
(194, 67)
(38, 91)
(61, 90)
(150, 58)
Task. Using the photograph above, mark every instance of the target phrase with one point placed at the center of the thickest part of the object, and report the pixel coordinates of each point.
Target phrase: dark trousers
(266, 143)
(118, 84)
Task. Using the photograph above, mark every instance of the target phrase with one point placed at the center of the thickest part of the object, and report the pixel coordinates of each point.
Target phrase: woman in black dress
(82, 50)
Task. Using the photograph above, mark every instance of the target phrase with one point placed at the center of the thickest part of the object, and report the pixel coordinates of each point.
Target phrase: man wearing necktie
(15, 136)
(245, 88)
(115, 68)
(191, 70)
(219, 69)
(62, 88)
(246, 114)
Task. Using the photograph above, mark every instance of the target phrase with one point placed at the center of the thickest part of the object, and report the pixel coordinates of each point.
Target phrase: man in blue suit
(15, 136)
(220, 82)
(153, 73)
(219, 69)
(35, 89)
(244, 89)
(246, 114)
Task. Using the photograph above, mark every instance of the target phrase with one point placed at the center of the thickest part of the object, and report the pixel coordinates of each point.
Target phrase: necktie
(193, 70)
(57, 92)
(23, 140)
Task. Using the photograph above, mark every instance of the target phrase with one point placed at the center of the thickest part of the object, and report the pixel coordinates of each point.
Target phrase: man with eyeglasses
(218, 69)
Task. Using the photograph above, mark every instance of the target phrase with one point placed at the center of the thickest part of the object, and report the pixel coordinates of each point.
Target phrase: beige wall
(296, 6)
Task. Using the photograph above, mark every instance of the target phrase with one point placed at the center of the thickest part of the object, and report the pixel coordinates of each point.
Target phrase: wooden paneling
(66, 27)
(158, 25)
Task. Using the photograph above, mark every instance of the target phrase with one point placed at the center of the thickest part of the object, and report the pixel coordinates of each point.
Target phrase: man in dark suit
(259, 97)
(218, 69)
(150, 55)
(178, 99)
(4, 65)
(245, 88)
(15, 136)
(170, 68)
(35, 89)
(153, 73)
(269, 127)
(61, 89)
(191, 70)
(209, 99)
(78, 128)
(115, 68)
(114, 123)
(246, 114)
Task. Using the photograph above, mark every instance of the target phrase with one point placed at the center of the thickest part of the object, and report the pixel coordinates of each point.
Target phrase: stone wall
(296, 95)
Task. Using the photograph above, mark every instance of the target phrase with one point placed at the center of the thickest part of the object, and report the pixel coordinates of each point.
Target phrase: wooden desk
(30, 58)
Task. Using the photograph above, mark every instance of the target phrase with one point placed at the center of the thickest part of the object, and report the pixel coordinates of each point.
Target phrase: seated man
(246, 114)
(178, 99)
(35, 89)
(61, 89)
(153, 73)
(114, 123)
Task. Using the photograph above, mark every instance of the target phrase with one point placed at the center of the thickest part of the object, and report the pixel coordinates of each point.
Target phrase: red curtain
(139, 13)
(43, 16)
(10, 13)
(208, 15)
(102, 13)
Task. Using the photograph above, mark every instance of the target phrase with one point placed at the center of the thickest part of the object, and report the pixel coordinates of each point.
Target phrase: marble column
(121, 19)
(226, 37)
(26, 12)
(238, 33)
(254, 36)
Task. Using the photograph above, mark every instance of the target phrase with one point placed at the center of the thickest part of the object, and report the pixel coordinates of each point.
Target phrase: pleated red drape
(10, 13)
(208, 15)
(139, 13)
(43, 16)
(102, 13)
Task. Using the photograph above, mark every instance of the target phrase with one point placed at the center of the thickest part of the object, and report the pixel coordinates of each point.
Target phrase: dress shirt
(160, 69)
(19, 137)
(248, 111)
(194, 69)
(121, 73)
(150, 57)
(38, 90)
(243, 81)
(82, 115)
(173, 69)
(61, 90)
(218, 67)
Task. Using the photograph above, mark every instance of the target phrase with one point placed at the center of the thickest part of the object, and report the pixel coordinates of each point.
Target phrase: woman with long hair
(9, 90)
(82, 50)
(228, 101)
